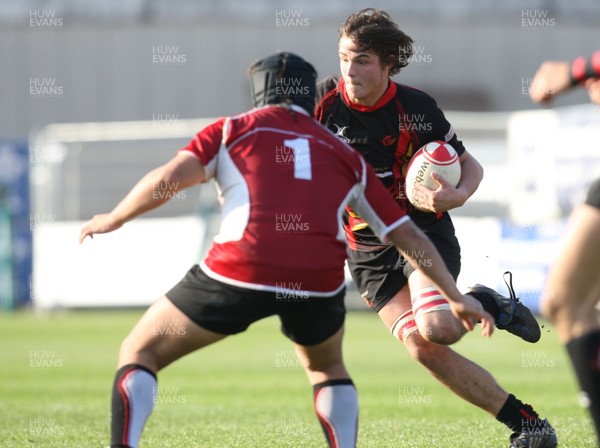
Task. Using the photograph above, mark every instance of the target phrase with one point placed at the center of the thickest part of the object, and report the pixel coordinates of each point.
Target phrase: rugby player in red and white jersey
(387, 123)
(284, 181)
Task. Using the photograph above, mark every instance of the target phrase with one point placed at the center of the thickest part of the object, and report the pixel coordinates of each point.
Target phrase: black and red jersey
(284, 182)
(387, 135)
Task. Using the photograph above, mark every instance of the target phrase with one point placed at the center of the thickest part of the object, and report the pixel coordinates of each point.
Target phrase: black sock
(487, 302)
(517, 415)
(584, 352)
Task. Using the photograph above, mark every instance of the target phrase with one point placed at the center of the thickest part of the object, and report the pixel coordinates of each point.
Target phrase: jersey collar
(294, 107)
(385, 98)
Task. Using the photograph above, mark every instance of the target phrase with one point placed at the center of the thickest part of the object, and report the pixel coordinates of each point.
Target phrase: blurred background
(94, 94)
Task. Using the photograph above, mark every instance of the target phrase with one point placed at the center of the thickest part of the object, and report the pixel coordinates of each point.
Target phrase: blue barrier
(14, 180)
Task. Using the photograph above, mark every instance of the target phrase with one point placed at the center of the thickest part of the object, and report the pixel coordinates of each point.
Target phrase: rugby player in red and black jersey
(572, 290)
(387, 123)
(556, 77)
(274, 165)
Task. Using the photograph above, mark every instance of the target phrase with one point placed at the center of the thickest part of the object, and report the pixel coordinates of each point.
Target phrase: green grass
(56, 373)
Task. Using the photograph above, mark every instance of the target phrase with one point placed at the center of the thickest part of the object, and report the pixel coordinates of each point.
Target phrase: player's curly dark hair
(375, 31)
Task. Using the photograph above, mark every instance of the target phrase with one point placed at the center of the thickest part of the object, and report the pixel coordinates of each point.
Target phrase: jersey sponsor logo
(449, 134)
(366, 298)
(339, 130)
(388, 140)
(341, 133)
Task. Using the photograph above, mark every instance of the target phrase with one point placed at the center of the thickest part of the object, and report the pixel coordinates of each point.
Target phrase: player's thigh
(162, 335)
(378, 275)
(397, 315)
(396, 307)
(315, 326)
(312, 321)
(431, 311)
(573, 284)
(196, 312)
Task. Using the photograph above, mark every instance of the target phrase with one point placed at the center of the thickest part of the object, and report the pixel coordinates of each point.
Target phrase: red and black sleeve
(583, 68)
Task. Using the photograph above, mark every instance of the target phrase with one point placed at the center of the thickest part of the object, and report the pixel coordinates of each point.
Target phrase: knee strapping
(427, 300)
(404, 326)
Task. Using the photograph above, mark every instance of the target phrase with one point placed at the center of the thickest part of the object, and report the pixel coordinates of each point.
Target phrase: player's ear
(389, 62)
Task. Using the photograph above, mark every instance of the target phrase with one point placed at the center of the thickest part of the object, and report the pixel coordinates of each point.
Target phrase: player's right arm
(153, 190)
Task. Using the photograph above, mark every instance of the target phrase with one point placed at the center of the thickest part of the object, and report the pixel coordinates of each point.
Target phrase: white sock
(336, 405)
(134, 395)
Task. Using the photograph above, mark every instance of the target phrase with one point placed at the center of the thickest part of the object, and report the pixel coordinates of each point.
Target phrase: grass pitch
(56, 373)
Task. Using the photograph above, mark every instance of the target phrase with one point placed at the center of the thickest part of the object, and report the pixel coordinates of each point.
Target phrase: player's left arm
(446, 197)
(153, 190)
(471, 176)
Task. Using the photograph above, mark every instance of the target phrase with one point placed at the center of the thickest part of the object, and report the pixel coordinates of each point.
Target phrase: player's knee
(131, 352)
(549, 308)
(565, 313)
(127, 350)
(433, 317)
(424, 352)
(126, 347)
(439, 330)
(556, 307)
(443, 338)
(313, 365)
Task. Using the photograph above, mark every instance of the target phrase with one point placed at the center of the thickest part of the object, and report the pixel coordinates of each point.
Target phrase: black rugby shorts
(381, 274)
(229, 309)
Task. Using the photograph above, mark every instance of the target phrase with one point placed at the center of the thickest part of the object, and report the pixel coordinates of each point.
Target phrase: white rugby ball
(435, 157)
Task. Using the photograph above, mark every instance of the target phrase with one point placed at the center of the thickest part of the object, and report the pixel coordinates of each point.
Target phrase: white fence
(537, 166)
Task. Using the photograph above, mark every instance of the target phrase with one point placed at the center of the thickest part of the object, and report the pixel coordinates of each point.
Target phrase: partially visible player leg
(460, 375)
(570, 296)
(335, 397)
(162, 335)
(463, 377)
(317, 331)
(435, 322)
(508, 312)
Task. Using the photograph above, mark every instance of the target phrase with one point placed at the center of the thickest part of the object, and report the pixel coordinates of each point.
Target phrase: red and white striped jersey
(284, 182)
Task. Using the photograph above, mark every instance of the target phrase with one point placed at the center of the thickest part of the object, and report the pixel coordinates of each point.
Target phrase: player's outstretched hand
(103, 223)
(469, 314)
(551, 79)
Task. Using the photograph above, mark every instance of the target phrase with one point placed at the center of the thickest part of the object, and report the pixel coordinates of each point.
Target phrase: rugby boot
(542, 436)
(514, 317)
